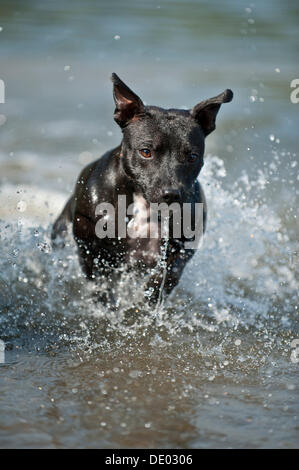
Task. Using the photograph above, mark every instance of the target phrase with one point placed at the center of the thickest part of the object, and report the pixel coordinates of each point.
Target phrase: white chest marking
(142, 225)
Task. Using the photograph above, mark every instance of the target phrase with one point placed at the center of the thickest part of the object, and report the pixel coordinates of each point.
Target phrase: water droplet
(44, 247)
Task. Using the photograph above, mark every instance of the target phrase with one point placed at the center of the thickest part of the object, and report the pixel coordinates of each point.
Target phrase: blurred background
(56, 58)
(216, 366)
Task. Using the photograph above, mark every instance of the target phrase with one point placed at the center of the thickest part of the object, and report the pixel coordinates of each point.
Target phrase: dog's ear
(205, 112)
(127, 105)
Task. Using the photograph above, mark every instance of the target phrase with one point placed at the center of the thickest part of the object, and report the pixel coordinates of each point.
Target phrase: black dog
(158, 160)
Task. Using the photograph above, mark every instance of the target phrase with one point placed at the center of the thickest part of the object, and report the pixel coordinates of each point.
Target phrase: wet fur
(171, 135)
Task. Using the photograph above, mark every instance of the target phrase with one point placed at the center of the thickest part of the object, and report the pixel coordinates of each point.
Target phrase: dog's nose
(170, 195)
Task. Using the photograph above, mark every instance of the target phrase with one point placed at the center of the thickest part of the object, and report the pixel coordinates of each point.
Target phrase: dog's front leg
(91, 257)
(163, 283)
(84, 234)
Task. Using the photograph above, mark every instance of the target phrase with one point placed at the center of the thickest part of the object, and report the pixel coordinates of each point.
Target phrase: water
(215, 365)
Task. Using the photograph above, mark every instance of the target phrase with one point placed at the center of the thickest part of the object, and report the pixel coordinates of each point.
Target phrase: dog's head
(162, 149)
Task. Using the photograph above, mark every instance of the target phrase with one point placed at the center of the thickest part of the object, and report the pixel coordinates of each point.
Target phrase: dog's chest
(143, 233)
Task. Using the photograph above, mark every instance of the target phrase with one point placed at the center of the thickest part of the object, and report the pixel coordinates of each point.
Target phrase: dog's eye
(192, 157)
(145, 153)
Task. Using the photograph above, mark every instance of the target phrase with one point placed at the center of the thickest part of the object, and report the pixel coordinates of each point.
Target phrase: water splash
(240, 277)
